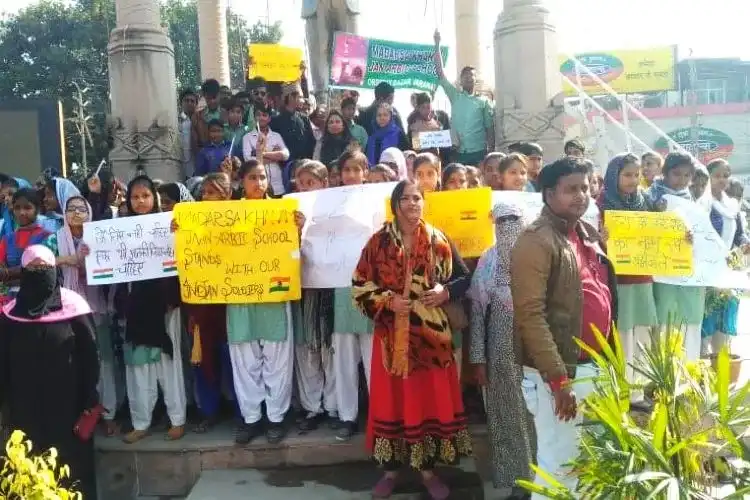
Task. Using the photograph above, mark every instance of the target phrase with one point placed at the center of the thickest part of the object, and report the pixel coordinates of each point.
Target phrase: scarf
(724, 213)
(194, 186)
(611, 198)
(178, 192)
(394, 155)
(64, 190)
(658, 189)
(381, 139)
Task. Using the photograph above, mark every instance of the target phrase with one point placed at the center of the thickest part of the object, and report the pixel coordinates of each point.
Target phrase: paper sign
(339, 223)
(274, 62)
(531, 204)
(463, 216)
(709, 251)
(129, 249)
(238, 252)
(433, 139)
(648, 243)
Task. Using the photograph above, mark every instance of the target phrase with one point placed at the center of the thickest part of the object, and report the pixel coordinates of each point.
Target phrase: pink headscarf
(73, 305)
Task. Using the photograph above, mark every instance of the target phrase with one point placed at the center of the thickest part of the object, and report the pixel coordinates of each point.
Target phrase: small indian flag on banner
(169, 266)
(279, 284)
(468, 215)
(103, 274)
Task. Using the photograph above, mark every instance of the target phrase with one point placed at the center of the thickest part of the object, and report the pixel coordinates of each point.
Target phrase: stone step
(353, 481)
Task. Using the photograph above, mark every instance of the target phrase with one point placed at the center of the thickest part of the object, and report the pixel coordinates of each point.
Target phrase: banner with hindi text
(238, 252)
(274, 62)
(129, 249)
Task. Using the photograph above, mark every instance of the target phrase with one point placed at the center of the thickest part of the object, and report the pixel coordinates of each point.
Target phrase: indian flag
(103, 274)
(169, 266)
(468, 215)
(279, 284)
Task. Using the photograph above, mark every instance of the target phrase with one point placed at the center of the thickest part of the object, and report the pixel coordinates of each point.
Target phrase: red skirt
(418, 420)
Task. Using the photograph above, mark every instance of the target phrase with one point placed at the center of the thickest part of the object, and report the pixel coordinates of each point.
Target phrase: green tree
(47, 46)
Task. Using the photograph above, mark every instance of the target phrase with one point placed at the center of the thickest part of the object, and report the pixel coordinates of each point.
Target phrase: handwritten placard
(463, 216)
(275, 63)
(340, 221)
(648, 243)
(433, 139)
(129, 249)
(531, 204)
(238, 252)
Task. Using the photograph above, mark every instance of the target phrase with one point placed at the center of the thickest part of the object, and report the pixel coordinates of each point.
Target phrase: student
(200, 120)
(213, 154)
(455, 177)
(385, 134)
(511, 173)
(275, 152)
(56, 193)
(261, 346)
(489, 168)
(636, 309)
(681, 304)
(352, 331)
(651, 164)
(427, 172)
(334, 175)
(188, 103)
(473, 177)
(152, 349)
(349, 110)
(335, 140)
(409, 156)
(394, 158)
(234, 129)
(534, 155)
(381, 173)
(315, 377)
(575, 147)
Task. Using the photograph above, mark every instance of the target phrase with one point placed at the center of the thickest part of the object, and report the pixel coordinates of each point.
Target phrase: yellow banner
(237, 252)
(648, 244)
(462, 215)
(626, 71)
(274, 62)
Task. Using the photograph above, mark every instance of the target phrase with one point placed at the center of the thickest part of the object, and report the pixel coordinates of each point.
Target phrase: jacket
(547, 295)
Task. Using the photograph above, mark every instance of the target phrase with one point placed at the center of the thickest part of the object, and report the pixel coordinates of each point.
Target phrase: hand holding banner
(238, 252)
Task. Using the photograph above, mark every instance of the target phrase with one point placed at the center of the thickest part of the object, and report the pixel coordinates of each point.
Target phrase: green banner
(360, 62)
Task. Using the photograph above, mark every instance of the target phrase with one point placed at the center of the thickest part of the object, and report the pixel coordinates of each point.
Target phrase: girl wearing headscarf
(336, 139)
(56, 194)
(48, 365)
(394, 158)
(152, 349)
(636, 309)
(722, 306)
(492, 355)
(28, 231)
(680, 304)
(172, 193)
(385, 134)
(71, 261)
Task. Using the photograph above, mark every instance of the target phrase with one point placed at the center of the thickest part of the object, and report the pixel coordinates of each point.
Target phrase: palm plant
(698, 417)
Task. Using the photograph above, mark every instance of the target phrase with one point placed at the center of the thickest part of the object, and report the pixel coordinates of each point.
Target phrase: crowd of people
(421, 320)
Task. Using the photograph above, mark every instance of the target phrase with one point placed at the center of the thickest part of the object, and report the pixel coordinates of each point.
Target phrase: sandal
(111, 428)
(384, 487)
(437, 489)
(205, 425)
(175, 433)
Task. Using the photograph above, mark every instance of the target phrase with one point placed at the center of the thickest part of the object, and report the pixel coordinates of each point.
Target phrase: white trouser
(110, 397)
(143, 382)
(557, 441)
(316, 380)
(692, 342)
(630, 340)
(262, 371)
(715, 342)
(348, 350)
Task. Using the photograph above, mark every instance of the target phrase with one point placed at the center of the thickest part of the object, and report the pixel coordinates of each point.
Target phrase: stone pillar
(528, 85)
(143, 94)
(468, 46)
(212, 38)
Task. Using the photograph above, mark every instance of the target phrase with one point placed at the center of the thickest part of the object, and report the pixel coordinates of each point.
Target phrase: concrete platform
(347, 482)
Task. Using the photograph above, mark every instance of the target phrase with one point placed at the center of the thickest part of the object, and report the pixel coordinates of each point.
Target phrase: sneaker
(275, 432)
(310, 422)
(247, 432)
(346, 431)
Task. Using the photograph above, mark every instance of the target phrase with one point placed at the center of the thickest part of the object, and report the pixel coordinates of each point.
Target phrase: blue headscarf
(612, 199)
(385, 137)
(64, 190)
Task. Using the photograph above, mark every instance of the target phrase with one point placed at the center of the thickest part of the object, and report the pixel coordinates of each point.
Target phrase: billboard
(704, 143)
(626, 71)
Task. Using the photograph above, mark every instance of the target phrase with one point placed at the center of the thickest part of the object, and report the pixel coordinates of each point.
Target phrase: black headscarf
(39, 293)
(146, 307)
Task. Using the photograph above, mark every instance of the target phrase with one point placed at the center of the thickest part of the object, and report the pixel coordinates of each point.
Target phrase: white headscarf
(394, 155)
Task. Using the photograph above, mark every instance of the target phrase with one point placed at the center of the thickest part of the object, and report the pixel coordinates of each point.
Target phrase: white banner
(339, 223)
(532, 204)
(129, 249)
(709, 251)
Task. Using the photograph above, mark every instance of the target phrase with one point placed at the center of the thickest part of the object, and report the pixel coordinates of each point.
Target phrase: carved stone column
(212, 37)
(143, 94)
(528, 85)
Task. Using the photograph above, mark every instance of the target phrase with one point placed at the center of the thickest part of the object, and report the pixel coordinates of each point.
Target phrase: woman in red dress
(416, 415)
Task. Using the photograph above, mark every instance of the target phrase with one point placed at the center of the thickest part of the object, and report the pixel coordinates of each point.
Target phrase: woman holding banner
(401, 282)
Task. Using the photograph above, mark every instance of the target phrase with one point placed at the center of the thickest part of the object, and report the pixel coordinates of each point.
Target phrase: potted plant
(698, 418)
(27, 477)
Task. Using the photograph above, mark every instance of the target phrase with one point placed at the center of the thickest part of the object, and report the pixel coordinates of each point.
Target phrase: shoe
(247, 432)
(175, 433)
(134, 436)
(310, 422)
(384, 487)
(275, 432)
(436, 488)
(346, 431)
(334, 423)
